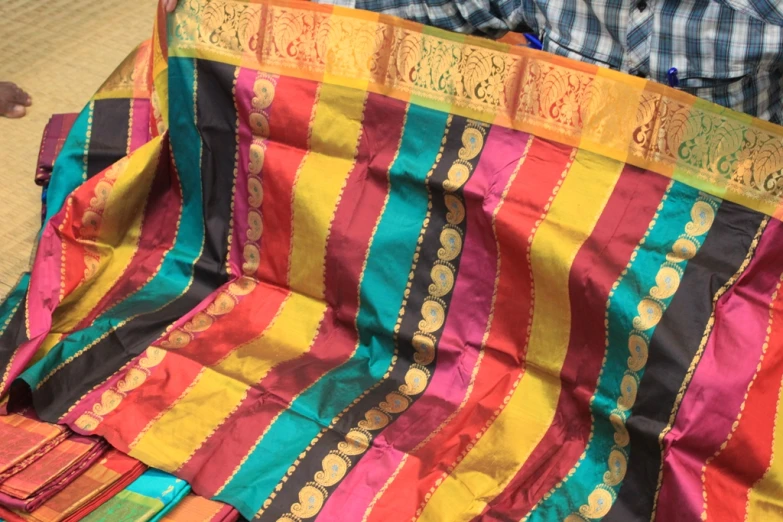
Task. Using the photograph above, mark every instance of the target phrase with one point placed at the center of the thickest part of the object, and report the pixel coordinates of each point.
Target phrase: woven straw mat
(60, 51)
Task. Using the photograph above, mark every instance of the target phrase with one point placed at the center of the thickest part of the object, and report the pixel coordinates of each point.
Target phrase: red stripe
(596, 267)
(360, 205)
(176, 372)
(506, 344)
(747, 454)
(289, 127)
(162, 33)
(71, 234)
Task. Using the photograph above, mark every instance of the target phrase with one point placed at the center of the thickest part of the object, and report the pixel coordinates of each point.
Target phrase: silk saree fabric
(51, 473)
(194, 508)
(149, 497)
(99, 483)
(25, 440)
(324, 264)
(54, 135)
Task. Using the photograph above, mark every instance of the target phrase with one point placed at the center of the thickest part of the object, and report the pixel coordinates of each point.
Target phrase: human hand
(170, 5)
(13, 100)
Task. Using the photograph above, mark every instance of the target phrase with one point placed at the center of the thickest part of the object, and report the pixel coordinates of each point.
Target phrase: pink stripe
(462, 336)
(140, 126)
(715, 394)
(244, 96)
(43, 295)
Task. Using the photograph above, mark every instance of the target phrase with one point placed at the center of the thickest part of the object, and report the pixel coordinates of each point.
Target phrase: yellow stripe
(481, 476)
(335, 135)
(118, 235)
(288, 337)
(208, 400)
(50, 342)
(765, 498)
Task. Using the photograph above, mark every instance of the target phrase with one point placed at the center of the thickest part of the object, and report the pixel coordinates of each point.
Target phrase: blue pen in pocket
(672, 76)
(533, 41)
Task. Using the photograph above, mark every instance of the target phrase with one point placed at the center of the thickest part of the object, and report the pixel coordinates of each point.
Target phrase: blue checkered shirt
(726, 51)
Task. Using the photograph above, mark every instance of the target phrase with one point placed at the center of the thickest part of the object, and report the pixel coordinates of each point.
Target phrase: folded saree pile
(323, 264)
(44, 459)
(48, 472)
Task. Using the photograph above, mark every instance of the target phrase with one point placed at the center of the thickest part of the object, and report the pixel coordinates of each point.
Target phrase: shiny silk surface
(328, 265)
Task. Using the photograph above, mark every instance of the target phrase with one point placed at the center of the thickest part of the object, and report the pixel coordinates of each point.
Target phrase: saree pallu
(325, 264)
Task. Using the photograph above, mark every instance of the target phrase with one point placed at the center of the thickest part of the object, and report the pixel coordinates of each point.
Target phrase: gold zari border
(721, 152)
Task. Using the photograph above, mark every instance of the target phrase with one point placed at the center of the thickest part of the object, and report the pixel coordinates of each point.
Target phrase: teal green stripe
(68, 171)
(12, 301)
(149, 497)
(382, 288)
(177, 268)
(634, 287)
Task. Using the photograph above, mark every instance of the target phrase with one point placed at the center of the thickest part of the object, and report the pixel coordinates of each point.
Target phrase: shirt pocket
(733, 47)
(574, 49)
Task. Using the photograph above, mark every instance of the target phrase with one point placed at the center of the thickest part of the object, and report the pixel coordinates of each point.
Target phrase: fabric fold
(50, 474)
(99, 483)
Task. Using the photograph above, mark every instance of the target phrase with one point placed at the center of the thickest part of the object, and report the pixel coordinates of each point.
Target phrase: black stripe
(672, 348)
(14, 334)
(217, 124)
(217, 127)
(412, 315)
(108, 134)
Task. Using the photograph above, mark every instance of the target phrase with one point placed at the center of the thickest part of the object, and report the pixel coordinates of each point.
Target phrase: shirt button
(642, 5)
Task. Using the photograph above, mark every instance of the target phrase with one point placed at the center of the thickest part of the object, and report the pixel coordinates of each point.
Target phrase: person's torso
(719, 53)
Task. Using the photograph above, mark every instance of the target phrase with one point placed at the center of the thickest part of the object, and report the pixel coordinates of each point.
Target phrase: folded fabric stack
(50, 474)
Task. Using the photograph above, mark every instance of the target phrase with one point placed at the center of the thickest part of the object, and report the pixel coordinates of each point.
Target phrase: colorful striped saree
(325, 264)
